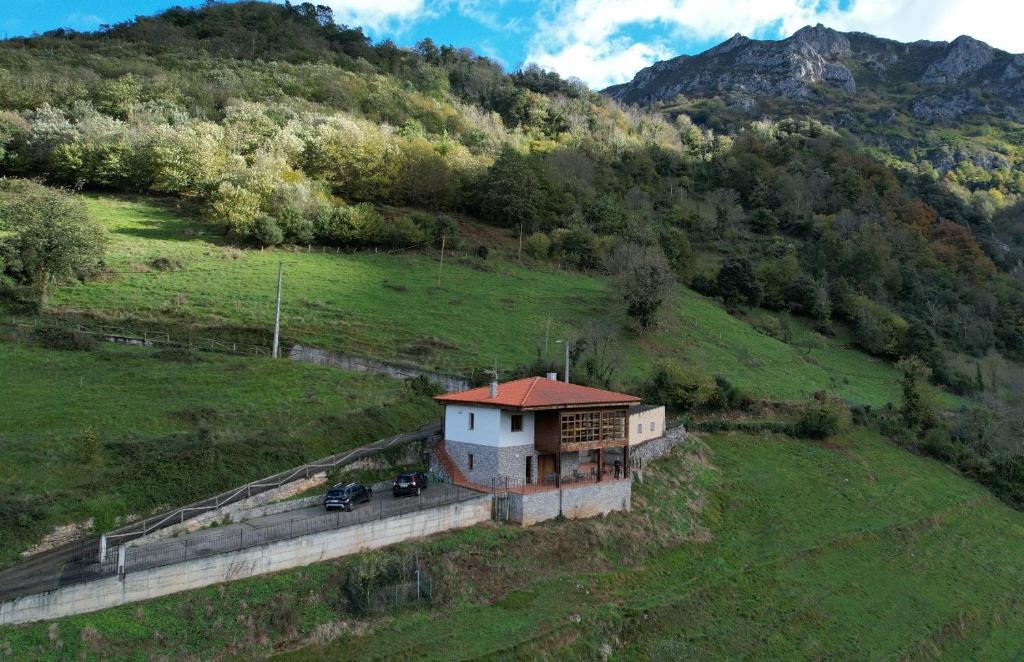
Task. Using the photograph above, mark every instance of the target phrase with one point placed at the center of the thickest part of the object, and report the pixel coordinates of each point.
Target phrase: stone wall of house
(490, 461)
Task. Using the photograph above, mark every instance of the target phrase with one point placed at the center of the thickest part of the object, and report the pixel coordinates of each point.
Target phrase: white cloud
(588, 38)
(379, 15)
(79, 20)
(996, 22)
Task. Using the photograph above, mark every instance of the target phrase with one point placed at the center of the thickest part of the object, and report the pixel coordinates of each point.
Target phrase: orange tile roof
(538, 393)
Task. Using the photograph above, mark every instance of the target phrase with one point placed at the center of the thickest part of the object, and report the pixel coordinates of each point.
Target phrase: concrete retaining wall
(576, 502)
(148, 584)
(262, 504)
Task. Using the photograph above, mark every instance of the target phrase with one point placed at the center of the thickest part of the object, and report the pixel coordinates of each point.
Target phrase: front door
(545, 465)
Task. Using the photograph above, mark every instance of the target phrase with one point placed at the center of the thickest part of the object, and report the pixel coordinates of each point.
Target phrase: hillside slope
(737, 546)
(390, 306)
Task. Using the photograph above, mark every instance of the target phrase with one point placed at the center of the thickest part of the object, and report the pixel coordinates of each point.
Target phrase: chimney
(494, 388)
(553, 376)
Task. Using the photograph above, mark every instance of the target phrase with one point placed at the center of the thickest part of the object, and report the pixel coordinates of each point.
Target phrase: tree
(919, 409)
(644, 279)
(52, 238)
(737, 283)
(510, 193)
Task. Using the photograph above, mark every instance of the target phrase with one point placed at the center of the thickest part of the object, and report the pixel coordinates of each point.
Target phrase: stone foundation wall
(490, 461)
(577, 502)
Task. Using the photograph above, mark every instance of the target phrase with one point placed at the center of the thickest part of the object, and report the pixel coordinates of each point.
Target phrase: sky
(601, 42)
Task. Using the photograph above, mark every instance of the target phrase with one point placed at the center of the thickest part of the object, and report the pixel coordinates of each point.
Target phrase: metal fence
(126, 336)
(235, 537)
(80, 562)
(178, 515)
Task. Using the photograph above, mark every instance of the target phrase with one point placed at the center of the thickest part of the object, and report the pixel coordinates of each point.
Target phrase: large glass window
(591, 426)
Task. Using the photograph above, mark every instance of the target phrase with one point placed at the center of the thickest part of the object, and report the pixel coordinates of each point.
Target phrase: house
(646, 422)
(536, 435)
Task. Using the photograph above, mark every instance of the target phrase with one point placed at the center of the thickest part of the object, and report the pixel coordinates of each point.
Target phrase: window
(517, 422)
(639, 428)
(591, 426)
(472, 420)
(653, 426)
(470, 459)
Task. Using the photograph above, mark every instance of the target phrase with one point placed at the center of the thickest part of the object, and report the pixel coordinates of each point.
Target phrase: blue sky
(599, 41)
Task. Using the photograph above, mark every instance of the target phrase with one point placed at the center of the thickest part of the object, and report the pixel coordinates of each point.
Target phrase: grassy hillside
(738, 546)
(117, 431)
(389, 306)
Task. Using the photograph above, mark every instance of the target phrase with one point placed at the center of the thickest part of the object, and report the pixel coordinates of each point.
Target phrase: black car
(346, 496)
(409, 483)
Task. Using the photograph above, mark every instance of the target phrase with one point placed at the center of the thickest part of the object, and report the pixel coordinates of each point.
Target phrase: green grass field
(389, 306)
(746, 547)
(169, 431)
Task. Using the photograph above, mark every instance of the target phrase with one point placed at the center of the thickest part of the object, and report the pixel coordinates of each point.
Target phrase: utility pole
(547, 333)
(520, 244)
(440, 265)
(277, 314)
(566, 343)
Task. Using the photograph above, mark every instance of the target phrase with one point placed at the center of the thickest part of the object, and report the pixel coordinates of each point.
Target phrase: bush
(538, 245)
(267, 232)
(90, 447)
(822, 418)
(726, 397)
(166, 264)
(55, 337)
(678, 388)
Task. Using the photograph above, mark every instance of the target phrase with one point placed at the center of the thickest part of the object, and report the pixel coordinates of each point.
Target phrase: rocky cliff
(817, 60)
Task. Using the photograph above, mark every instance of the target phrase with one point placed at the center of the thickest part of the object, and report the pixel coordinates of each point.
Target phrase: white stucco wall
(491, 426)
(640, 425)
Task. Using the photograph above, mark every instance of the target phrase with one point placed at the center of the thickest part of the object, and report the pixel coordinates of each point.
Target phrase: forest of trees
(283, 127)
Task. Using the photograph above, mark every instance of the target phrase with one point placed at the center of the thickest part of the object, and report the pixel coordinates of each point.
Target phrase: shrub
(90, 446)
(822, 418)
(726, 397)
(55, 337)
(482, 251)
(682, 389)
(166, 264)
(267, 232)
(538, 245)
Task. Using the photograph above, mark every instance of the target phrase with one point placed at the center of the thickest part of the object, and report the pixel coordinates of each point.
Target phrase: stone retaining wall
(576, 502)
(655, 448)
(274, 557)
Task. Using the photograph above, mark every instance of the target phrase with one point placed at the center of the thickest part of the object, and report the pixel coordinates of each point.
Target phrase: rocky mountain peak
(964, 55)
(828, 43)
(732, 43)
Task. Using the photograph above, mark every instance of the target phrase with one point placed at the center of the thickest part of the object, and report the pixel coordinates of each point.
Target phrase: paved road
(68, 566)
(281, 526)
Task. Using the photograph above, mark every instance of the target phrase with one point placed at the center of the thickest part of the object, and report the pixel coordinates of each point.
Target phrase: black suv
(345, 496)
(409, 483)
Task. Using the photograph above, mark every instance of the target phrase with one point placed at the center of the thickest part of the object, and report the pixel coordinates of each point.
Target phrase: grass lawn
(168, 431)
(389, 306)
(737, 546)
